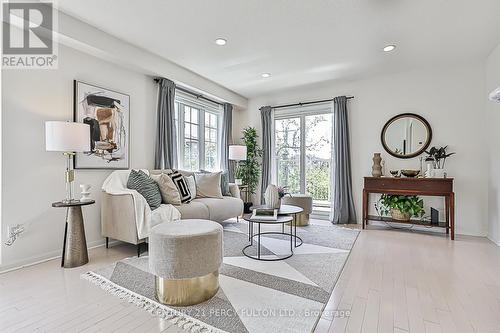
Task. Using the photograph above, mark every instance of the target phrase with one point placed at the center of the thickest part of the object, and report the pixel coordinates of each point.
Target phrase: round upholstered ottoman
(300, 200)
(185, 256)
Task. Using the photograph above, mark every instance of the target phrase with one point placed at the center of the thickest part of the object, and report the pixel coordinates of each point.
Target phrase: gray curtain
(227, 139)
(342, 200)
(166, 138)
(267, 132)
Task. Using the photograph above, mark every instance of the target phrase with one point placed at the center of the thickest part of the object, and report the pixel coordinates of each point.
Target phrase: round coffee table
(288, 210)
(282, 219)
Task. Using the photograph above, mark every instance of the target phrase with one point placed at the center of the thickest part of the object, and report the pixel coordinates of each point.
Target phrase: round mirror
(406, 135)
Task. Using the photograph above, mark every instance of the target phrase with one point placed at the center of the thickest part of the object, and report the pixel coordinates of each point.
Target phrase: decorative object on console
(85, 194)
(406, 135)
(68, 138)
(438, 158)
(410, 173)
(272, 196)
(400, 207)
(237, 153)
(395, 173)
(376, 167)
(107, 112)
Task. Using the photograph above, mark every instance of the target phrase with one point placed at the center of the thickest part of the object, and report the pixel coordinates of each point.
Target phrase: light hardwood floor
(394, 281)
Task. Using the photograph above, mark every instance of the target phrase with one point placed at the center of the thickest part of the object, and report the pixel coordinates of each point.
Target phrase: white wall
(493, 116)
(34, 178)
(453, 102)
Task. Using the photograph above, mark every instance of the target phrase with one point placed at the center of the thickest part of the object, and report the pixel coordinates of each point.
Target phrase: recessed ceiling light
(220, 41)
(389, 48)
(266, 75)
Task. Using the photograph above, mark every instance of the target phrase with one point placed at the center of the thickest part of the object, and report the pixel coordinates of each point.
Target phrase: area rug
(254, 296)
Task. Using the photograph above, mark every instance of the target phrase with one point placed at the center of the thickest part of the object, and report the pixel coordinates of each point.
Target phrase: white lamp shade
(237, 152)
(67, 136)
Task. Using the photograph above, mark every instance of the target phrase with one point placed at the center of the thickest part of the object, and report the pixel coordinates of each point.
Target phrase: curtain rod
(187, 91)
(306, 103)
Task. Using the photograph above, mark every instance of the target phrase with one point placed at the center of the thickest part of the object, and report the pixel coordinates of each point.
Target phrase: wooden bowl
(410, 173)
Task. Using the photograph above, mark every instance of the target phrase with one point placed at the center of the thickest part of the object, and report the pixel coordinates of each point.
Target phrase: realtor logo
(28, 35)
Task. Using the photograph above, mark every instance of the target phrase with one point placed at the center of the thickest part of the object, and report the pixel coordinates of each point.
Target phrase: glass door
(303, 152)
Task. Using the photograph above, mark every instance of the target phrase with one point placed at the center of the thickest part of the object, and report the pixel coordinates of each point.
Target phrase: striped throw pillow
(182, 186)
(147, 187)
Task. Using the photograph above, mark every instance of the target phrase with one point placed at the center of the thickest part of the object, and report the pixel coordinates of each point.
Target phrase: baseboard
(497, 243)
(47, 257)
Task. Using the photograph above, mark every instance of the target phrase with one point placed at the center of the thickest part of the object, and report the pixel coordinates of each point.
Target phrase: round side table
(288, 210)
(75, 245)
(282, 219)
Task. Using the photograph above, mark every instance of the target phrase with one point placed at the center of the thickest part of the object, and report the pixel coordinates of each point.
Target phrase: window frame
(203, 107)
(300, 112)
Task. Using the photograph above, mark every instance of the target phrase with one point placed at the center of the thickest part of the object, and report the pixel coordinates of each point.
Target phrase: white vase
(271, 196)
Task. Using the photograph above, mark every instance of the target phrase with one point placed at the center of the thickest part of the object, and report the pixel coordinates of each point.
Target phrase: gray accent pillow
(147, 187)
(224, 184)
(169, 192)
(208, 185)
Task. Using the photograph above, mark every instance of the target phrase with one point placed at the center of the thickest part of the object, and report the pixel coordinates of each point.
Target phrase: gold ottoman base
(302, 220)
(185, 292)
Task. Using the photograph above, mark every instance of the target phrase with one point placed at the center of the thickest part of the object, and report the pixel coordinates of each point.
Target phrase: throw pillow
(169, 192)
(182, 186)
(192, 186)
(208, 185)
(147, 187)
(224, 182)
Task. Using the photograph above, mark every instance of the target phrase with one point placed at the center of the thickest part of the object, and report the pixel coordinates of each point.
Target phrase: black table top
(74, 203)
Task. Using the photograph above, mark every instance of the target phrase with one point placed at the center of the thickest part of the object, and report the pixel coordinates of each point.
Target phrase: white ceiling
(299, 41)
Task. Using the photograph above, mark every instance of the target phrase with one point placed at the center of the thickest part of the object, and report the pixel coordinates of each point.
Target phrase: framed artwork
(107, 112)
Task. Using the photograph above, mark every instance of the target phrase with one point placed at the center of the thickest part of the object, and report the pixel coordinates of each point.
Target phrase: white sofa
(118, 212)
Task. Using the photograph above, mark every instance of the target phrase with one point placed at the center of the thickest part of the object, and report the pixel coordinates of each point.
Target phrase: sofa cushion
(221, 209)
(193, 210)
(208, 185)
(147, 187)
(169, 192)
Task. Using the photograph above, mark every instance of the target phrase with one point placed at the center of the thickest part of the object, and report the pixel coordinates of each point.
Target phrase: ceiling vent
(495, 95)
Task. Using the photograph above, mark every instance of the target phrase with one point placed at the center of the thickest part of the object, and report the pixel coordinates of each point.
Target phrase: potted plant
(400, 207)
(249, 169)
(438, 158)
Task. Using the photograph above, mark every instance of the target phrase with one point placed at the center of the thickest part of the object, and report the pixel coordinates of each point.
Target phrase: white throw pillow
(191, 185)
(169, 192)
(208, 185)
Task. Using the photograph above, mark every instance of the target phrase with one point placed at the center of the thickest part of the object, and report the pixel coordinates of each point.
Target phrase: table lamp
(68, 138)
(237, 153)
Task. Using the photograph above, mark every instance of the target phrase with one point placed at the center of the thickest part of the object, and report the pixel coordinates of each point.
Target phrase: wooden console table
(440, 187)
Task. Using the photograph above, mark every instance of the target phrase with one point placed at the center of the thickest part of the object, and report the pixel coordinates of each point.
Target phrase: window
(198, 131)
(303, 152)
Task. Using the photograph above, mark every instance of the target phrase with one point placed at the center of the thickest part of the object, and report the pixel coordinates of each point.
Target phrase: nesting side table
(75, 245)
